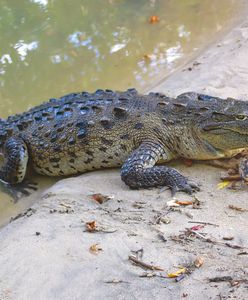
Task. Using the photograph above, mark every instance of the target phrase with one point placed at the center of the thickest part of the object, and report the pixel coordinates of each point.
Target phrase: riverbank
(50, 252)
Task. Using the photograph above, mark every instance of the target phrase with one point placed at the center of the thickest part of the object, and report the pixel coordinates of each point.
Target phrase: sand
(46, 253)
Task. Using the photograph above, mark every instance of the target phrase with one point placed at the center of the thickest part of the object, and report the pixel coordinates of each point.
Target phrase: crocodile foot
(184, 186)
(23, 189)
(238, 176)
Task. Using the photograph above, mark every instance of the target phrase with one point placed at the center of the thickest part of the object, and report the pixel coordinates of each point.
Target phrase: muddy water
(50, 48)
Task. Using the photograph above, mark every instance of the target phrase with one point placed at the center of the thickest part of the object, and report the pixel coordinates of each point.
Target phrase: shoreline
(45, 254)
(213, 68)
(239, 18)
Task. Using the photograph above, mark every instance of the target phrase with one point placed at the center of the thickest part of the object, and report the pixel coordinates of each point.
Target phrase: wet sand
(45, 254)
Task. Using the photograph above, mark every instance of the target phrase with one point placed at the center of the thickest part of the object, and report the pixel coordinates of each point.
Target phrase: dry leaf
(177, 273)
(95, 248)
(223, 184)
(197, 227)
(172, 203)
(91, 226)
(100, 198)
(154, 19)
(184, 202)
(198, 262)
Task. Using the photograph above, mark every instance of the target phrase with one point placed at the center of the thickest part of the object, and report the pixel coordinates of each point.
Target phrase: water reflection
(41, 2)
(53, 47)
(22, 48)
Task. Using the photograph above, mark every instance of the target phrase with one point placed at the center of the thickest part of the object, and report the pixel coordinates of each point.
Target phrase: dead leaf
(177, 273)
(198, 262)
(184, 202)
(172, 203)
(154, 19)
(100, 198)
(91, 226)
(95, 248)
(223, 184)
(197, 227)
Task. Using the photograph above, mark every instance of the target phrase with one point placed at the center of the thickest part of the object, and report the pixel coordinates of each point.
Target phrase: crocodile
(84, 131)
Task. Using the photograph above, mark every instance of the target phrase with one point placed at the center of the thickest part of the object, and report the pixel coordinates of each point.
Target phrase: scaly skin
(81, 132)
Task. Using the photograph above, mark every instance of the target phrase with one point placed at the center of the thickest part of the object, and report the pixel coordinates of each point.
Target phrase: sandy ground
(46, 253)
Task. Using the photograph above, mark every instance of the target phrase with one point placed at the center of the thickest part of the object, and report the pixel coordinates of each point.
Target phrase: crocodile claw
(23, 189)
(187, 186)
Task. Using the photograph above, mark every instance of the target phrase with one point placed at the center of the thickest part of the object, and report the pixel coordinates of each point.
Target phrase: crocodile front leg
(139, 171)
(16, 158)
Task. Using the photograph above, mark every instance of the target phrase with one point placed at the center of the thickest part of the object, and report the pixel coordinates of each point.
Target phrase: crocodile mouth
(218, 131)
(221, 130)
(231, 153)
(230, 132)
(212, 127)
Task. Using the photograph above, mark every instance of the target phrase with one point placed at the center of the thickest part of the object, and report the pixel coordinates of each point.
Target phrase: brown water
(50, 48)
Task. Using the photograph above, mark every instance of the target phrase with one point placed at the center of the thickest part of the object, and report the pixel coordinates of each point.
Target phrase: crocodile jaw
(231, 153)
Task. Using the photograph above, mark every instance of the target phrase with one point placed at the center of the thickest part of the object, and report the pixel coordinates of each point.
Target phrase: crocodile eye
(241, 117)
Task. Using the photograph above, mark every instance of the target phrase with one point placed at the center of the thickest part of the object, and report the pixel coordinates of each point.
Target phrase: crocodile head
(226, 126)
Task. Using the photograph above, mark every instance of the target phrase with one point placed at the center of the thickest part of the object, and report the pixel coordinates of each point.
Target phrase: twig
(231, 177)
(233, 282)
(116, 281)
(205, 223)
(237, 208)
(201, 236)
(209, 240)
(243, 253)
(220, 279)
(143, 264)
(233, 246)
(139, 253)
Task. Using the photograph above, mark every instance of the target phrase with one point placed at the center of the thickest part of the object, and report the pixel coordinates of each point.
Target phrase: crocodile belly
(74, 162)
